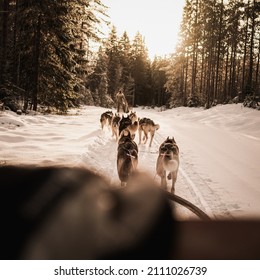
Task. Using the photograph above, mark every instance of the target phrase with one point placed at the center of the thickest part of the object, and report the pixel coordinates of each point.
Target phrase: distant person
(121, 102)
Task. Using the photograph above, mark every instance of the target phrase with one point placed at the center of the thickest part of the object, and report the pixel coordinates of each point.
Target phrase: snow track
(100, 154)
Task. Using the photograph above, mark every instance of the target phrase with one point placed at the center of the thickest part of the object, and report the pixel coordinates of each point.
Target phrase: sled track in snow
(93, 156)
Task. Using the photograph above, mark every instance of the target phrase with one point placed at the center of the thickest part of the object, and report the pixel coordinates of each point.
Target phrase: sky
(157, 21)
(219, 151)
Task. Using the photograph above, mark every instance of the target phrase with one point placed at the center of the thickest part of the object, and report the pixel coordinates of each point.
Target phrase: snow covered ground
(219, 151)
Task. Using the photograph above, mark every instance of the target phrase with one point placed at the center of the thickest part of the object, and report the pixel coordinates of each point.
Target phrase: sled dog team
(124, 129)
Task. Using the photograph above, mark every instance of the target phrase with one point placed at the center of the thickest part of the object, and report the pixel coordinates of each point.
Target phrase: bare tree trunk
(194, 53)
(186, 78)
(208, 81)
(242, 97)
(16, 55)
(202, 71)
(36, 64)
(216, 94)
(182, 85)
(257, 71)
(231, 71)
(251, 59)
(233, 90)
(4, 38)
(225, 90)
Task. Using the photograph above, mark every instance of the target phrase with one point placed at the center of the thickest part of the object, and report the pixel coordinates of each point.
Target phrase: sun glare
(157, 21)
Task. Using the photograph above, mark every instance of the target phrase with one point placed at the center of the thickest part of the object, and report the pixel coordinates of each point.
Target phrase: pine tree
(124, 47)
(48, 46)
(217, 58)
(158, 73)
(140, 71)
(114, 69)
(4, 16)
(127, 82)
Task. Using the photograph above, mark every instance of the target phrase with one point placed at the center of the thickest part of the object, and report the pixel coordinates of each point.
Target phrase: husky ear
(167, 138)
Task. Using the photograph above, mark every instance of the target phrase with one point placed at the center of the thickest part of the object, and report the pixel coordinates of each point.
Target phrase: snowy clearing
(219, 151)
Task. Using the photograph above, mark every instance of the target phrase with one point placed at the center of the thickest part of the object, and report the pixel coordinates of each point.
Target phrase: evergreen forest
(53, 56)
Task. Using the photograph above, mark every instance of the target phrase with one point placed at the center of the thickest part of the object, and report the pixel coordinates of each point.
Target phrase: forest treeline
(47, 59)
(44, 51)
(217, 59)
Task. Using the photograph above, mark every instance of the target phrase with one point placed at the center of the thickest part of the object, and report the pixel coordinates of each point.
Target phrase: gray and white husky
(168, 161)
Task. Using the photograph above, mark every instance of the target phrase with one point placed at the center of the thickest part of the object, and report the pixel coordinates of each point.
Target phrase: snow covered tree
(50, 46)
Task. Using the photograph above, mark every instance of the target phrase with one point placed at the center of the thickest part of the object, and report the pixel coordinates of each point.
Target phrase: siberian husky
(127, 157)
(168, 161)
(147, 125)
(115, 125)
(106, 119)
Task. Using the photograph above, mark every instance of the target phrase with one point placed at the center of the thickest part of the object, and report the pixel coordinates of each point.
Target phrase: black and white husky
(127, 157)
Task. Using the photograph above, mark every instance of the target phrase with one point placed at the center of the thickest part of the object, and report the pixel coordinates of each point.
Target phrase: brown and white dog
(106, 119)
(115, 125)
(127, 157)
(168, 161)
(147, 125)
(129, 122)
(124, 123)
(133, 128)
(133, 116)
(135, 124)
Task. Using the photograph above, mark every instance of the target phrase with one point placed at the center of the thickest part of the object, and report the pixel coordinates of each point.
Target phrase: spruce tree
(140, 71)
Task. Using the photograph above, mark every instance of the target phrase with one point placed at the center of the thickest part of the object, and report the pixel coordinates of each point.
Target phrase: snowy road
(219, 151)
(219, 165)
(218, 170)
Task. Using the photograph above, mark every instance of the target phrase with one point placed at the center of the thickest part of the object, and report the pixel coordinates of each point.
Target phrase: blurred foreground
(73, 213)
